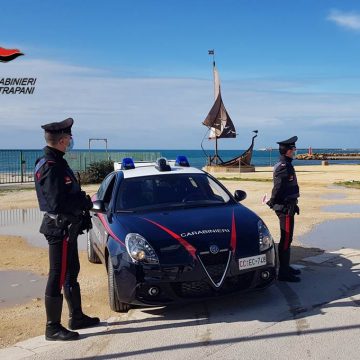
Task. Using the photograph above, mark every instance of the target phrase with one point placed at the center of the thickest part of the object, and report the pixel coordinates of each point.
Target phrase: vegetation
(243, 179)
(96, 172)
(351, 184)
(14, 188)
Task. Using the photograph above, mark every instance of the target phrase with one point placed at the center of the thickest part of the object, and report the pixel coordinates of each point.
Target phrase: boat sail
(221, 126)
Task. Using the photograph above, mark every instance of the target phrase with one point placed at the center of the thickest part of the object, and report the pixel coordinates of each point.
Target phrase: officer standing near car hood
(66, 215)
(284, 202)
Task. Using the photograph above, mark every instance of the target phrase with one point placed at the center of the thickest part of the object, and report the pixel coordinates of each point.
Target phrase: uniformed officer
(66, 215)
(284, 202)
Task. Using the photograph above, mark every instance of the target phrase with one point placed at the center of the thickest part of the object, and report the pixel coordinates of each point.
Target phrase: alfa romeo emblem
(214, 249)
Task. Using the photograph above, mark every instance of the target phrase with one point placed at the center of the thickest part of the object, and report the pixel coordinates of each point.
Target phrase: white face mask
(70, 146)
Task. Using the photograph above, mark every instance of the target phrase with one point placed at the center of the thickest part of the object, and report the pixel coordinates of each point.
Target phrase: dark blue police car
(168, 232)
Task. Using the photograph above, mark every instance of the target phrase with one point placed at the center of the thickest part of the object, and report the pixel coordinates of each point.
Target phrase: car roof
(149, 169)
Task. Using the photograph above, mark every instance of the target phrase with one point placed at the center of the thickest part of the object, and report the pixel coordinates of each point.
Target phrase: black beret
(59, 127)
(288, 142)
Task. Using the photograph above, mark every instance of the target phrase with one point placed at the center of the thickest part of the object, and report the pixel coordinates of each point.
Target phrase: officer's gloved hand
(86, 222)
(297, 210)
(270, 203)
(88, 205)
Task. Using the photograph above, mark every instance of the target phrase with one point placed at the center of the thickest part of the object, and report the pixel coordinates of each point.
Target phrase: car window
(104, 185)
(169, 190)
(108, 193)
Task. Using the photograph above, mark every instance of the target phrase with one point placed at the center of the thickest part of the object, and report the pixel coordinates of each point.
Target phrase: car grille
(214, 259)
(197, 289)
(215, 264)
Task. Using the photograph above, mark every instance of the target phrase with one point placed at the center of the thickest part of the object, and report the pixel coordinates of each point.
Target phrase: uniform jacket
(57, 189)
(286, 188)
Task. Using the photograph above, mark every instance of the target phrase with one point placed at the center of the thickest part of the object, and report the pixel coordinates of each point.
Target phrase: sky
(138, 73)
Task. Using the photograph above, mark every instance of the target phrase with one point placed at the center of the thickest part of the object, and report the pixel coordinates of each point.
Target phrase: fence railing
(17, 166)
(19, 216)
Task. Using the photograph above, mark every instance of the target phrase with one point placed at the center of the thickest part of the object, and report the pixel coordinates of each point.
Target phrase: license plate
(252, 262)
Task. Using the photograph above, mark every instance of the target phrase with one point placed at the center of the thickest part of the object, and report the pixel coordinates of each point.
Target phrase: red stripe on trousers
(63, 261)
(287, 232)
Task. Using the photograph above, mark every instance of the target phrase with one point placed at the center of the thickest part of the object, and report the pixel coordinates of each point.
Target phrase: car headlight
(140, 250)
(265, 238)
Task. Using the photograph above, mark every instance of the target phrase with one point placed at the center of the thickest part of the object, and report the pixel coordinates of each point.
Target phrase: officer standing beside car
(284, 202)
(66, 215)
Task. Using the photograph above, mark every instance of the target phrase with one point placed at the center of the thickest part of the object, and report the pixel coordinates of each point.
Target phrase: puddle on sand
(26, 223)
(333, 196)
(335, 187)
(19, 287)
(334, 235)
(342, 208)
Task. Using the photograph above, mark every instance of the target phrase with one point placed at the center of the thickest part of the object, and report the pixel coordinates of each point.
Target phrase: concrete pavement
(318, 318)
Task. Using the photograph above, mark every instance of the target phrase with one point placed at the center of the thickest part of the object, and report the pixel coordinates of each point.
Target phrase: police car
(168, 232)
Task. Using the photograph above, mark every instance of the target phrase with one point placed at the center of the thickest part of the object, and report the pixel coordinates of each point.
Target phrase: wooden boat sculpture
(221, 126)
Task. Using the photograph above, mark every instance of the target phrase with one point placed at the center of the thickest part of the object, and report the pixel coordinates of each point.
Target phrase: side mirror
(98, 206)
(240, 195)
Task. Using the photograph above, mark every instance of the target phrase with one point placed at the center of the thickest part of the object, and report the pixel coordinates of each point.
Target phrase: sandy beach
(24, 321)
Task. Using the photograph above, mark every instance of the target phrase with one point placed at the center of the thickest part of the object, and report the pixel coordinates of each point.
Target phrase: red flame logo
(7, 55)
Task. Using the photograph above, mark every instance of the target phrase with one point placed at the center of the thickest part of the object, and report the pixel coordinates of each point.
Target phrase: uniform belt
(64, 217)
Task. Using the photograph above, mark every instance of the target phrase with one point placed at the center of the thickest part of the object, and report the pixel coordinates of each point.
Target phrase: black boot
(77, 319)
(54, 330)
(294, 271)
(286, 275)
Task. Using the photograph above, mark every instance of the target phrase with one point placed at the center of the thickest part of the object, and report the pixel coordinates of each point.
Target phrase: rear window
(169, 191)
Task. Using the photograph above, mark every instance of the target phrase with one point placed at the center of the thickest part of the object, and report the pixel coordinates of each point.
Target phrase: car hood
(177, 234)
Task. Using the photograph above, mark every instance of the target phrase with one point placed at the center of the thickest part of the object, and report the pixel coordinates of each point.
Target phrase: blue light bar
(182, 161)
(127, 164)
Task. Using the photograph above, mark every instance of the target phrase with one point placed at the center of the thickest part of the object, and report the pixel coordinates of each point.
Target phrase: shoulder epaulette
(40, 164)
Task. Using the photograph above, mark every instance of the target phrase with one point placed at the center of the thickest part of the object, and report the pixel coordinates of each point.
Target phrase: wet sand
(334, 234)
(27, 320)
(18, 287)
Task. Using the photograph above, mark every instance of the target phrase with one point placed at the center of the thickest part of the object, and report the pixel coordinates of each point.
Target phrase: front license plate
(252, 262)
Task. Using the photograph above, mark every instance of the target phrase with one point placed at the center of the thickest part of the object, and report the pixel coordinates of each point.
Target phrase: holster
(278, 207)
(288, 208)
(74, 225)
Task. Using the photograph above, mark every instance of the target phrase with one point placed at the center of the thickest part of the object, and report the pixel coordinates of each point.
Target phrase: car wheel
(92, 256)
(114, 302)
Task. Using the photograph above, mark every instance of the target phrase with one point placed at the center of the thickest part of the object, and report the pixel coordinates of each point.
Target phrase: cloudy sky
(138, 72)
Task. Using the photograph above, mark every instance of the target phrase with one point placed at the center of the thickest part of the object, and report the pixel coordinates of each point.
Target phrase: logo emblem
(7, 55)
(214, 249)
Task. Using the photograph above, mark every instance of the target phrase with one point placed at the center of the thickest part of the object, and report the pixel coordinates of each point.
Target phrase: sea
(14, 160)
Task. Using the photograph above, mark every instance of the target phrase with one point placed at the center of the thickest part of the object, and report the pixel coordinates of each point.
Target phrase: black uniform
(59, 194)
(66, 215)
(284, 202)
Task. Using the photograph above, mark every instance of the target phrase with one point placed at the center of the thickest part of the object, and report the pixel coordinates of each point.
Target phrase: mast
(216, 93)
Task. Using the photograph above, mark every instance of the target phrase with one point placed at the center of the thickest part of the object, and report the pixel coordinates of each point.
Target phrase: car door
(104, 193)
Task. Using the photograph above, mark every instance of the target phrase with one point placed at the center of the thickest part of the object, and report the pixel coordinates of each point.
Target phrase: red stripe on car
(233, 234)
(182, 241)
(107, 228)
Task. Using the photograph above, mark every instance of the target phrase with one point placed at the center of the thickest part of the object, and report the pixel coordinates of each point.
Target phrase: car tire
(92, 256)
(114, 302)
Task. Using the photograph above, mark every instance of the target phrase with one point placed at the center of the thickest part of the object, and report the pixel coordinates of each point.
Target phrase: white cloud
(142, 113)
(349, 20)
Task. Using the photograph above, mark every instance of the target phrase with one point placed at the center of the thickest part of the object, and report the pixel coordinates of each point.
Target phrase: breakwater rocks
(329, 156)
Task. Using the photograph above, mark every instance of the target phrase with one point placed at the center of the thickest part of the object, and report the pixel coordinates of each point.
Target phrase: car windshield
(169, 191)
